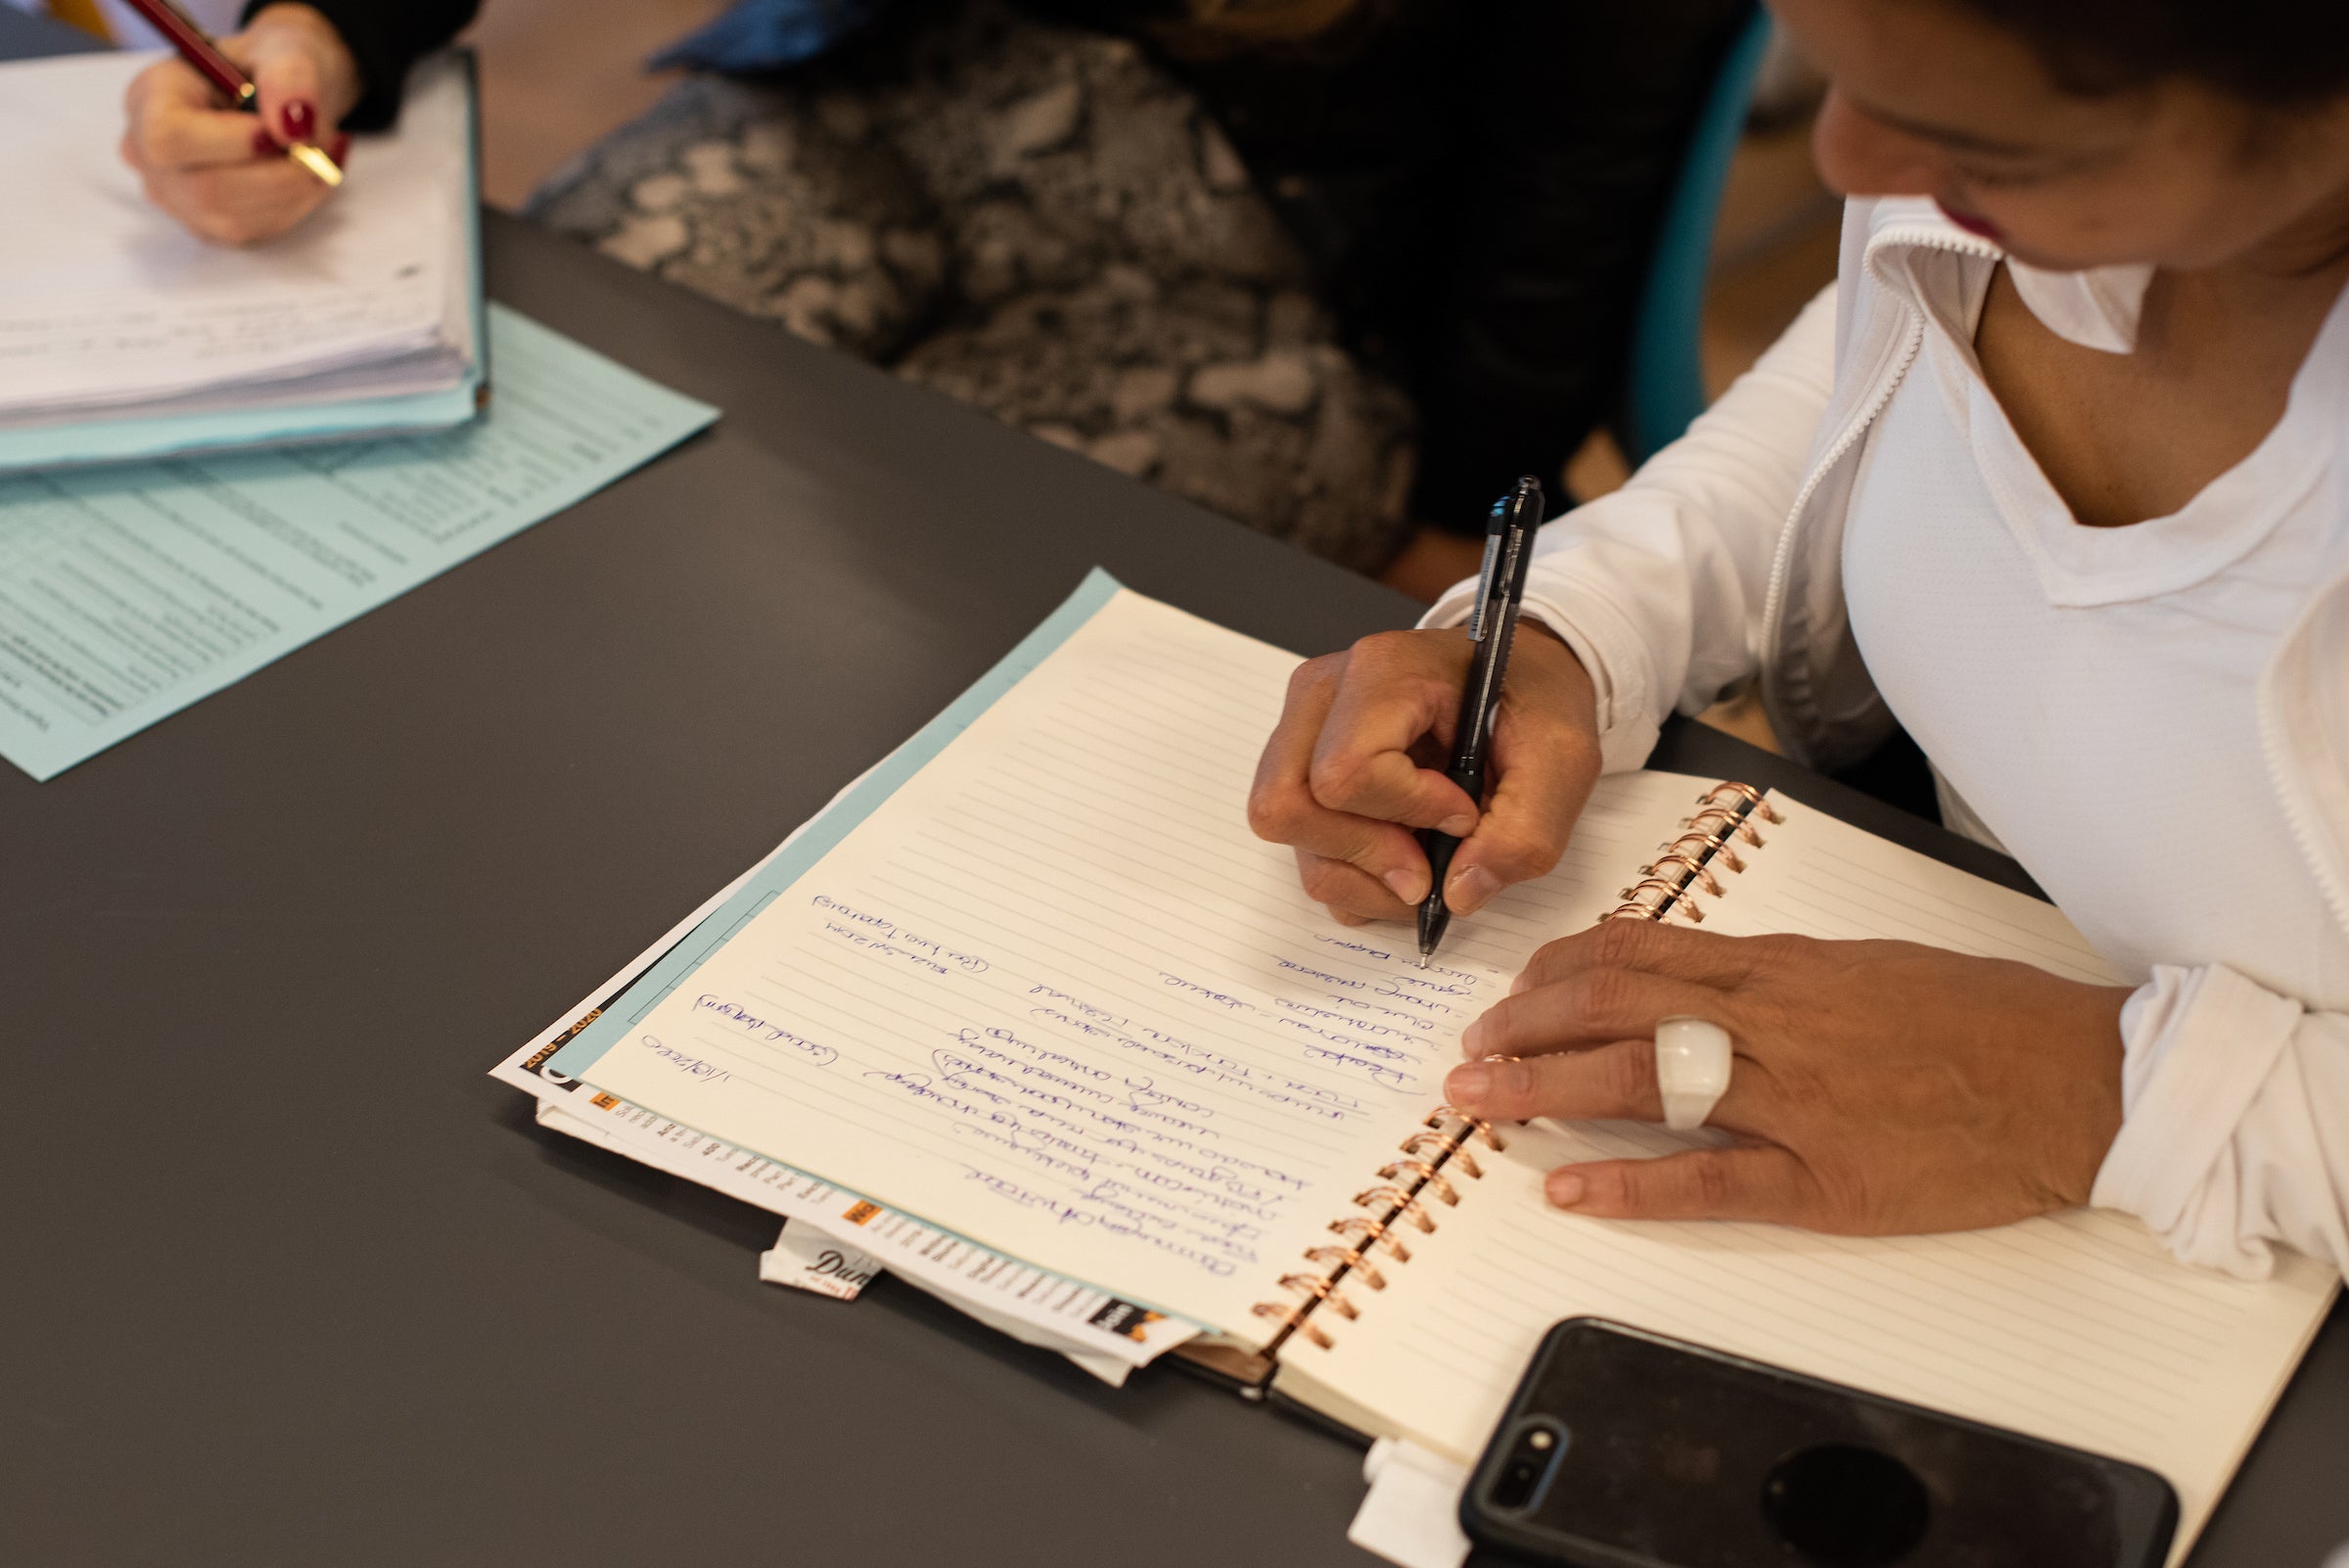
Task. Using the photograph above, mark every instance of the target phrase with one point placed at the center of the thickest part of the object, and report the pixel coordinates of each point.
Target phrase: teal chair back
(1667, 389)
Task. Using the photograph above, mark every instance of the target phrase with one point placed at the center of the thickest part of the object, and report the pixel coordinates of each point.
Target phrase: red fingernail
(300, 121)
(264, 145)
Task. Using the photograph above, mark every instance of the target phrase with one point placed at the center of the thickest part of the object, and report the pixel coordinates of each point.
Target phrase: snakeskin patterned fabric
(1034, 219)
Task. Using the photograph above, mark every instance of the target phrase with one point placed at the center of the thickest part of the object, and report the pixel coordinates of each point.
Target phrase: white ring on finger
(1693, 1069)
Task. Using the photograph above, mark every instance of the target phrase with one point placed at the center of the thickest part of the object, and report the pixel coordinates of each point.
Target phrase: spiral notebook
(1035, 983)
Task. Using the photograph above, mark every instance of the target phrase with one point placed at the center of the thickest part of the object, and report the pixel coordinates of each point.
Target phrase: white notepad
(121, 332)
(1050, 993)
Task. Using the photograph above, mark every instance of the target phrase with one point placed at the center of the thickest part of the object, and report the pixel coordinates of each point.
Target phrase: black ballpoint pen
(1499, 594)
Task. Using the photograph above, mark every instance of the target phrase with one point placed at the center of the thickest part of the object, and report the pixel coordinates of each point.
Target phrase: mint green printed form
(128, 592)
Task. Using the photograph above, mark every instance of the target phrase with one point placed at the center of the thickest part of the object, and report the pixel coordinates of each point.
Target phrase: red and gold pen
(221, 71)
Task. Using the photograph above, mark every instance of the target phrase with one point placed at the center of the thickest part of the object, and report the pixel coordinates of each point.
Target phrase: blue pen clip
(1488, 585)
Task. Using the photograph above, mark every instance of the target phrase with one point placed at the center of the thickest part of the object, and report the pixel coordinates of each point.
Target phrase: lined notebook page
(1818, 876)
(1054, 996)
(2074, 1327)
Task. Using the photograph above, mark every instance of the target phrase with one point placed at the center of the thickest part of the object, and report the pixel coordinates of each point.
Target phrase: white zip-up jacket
(1721, 562)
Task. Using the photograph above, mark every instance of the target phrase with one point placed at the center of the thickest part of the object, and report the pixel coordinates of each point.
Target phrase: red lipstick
(1973, 224)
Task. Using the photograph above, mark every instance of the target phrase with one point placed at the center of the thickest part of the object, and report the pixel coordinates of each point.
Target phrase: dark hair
(2285, 53)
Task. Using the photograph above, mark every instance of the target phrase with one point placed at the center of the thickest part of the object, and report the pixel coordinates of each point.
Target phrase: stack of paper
(122, 334)
(1101, 1332)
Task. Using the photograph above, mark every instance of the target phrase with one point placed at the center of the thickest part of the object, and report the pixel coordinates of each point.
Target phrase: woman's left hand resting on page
(222, 173)
(1879, 1087)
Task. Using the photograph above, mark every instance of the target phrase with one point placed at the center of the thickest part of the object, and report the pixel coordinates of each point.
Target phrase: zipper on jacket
(1782, 566)
(1782, 561)
(2272, 752)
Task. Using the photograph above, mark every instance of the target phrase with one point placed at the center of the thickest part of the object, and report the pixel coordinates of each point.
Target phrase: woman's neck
(2123, 437)
(2312, 245)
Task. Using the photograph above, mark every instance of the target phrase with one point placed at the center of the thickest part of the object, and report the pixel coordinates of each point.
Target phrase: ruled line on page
(1054, 996)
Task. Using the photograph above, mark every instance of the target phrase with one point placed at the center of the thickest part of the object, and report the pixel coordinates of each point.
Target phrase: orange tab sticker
(1125, 1318)
(858, 1213)
(605, 1103)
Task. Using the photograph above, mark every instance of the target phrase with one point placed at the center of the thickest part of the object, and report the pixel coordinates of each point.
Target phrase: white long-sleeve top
(2154, 720)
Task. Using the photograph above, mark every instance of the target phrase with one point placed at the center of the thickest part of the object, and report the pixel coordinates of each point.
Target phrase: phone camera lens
(1526, 1471)
(1844, 1507)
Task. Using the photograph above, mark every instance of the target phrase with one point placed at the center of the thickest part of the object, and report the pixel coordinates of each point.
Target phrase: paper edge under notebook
(2250, 1438)
(1294, 1384)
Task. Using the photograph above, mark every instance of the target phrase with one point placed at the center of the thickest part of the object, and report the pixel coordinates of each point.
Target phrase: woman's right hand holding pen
(223, 173)
(1356, 765)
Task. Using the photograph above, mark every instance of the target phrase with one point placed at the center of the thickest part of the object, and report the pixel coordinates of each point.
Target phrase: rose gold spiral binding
(1696, 870)
(1631, 898)
(1668, 883)
(1482, 1128)
(1430, 1179)
(1711, 848)
(1674, 897)
(1448, 1150)
(1322, 1288)
(1729, 820)
(1405, 1205)
(1438, 1146)
(1354, 1261)
(1755, 804)
(1292, 1322)
(1369, 1234)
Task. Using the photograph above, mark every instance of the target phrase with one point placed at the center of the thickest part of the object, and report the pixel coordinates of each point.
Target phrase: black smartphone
(1623, 1449)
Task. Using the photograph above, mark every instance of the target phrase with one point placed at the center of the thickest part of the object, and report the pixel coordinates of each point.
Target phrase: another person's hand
(225, 175)
(1355, 765)
(1879, 1087)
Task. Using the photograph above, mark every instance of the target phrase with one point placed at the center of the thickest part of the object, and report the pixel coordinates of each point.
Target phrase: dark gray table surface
(284, 1279)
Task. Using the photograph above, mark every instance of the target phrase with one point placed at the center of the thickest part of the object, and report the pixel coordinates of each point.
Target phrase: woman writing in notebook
(2057, 474)
(319, 72)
